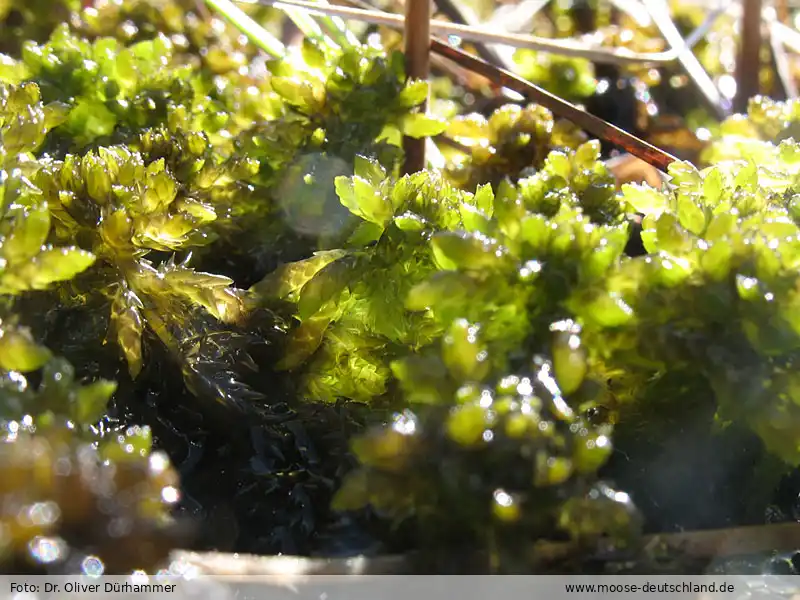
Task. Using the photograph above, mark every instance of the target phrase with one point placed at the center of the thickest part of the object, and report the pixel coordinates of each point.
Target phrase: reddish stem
(561, 108)
(748, 64)
(417, 52)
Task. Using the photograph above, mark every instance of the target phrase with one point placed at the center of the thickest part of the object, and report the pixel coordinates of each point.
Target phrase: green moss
(215, 238)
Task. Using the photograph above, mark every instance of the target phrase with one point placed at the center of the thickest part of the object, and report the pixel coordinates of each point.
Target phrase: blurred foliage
(35, 21)
(569, 78)
(68, 508)
(491, 469)
(764, 135)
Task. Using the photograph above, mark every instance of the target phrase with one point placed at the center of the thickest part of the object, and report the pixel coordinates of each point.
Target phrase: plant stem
(561, 108)
(254, 32)
(567, 47)
(748, 63)
(417, 52)
(338, 30)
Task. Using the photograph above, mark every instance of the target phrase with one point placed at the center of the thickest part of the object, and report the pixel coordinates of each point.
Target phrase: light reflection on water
(307, 196)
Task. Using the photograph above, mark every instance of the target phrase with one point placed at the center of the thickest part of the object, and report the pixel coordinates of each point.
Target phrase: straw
(565, 47)
(255, 33)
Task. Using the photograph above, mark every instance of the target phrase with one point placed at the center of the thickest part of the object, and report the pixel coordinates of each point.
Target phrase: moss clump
(66, 508)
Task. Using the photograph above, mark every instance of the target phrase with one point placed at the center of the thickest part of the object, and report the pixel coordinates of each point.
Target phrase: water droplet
(525, 388)
(170, 495)
(502, 498)
(405, 423)
(47, 549)
(93, 566)
(43, 513)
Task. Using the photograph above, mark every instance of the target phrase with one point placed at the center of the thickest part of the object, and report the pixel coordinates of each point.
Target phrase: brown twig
(594, 125)
(703, 545)
(748, 63)
(417, 43)
(252, 566)
(457, 74)
(782, 8)
(779, 537)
